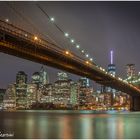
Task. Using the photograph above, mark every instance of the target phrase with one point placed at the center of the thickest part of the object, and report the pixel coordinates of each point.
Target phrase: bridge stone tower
(133, 78)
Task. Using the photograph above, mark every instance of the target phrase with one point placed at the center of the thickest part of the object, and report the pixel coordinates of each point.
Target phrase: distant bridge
(20, 43)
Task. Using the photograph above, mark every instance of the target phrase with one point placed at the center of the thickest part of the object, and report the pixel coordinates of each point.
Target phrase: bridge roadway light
(35, 38)
(7, 20)
(82, 51)
(87, 55)
(26, 35)
(103, 69)
(120, 78)
(67, 52)
(91, 59)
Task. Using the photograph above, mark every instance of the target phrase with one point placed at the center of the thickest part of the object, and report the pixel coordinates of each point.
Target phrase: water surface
(70, 124)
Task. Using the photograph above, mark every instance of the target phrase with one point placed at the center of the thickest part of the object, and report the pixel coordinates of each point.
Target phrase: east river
(70, 125)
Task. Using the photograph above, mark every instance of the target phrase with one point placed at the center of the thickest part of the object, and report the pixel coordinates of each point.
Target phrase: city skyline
(103, 28)
(64, 93)
(69, 69)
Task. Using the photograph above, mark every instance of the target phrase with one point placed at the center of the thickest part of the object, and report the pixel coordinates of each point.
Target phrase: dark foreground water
(70, 124)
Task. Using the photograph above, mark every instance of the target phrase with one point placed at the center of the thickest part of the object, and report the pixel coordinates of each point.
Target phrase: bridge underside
(40, 55)
(17, 46)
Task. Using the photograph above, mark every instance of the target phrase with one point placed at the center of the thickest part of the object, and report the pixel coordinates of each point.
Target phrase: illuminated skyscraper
(21, 90)
(40, 78)
(2, 93)
(84, 82)
(36, 78)
(111, 66)
(111, 70)
(62, 76)
(43, 76)
(21, 78)
(84, 91)
(74, 93)
(45, 94)
(9, 101)
(61, 89)
(31, 94)
(132, 76)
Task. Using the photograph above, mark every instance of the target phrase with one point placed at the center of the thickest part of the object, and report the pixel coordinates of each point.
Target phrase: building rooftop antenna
(111, 56)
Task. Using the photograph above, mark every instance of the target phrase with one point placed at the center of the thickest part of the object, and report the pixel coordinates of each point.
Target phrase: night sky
(97, 26)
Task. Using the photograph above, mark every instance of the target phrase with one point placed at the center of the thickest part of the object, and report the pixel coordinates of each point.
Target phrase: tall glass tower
(21, 78)
(43, 76)
(62, 76)
(111, 70)
(111, 66)
(84, 82)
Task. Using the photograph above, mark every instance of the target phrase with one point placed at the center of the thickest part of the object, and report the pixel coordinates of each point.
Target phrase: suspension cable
(61, 30)
(30, 23)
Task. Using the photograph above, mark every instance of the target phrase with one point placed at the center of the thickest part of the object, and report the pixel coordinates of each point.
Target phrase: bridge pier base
(135, 104)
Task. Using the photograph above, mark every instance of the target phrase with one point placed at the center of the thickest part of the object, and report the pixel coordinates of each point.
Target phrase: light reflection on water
(71, 124)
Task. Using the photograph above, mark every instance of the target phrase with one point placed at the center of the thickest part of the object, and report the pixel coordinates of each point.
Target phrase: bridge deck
(17, 42)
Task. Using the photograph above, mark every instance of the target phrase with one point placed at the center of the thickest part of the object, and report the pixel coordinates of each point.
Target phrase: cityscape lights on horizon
(12, 102)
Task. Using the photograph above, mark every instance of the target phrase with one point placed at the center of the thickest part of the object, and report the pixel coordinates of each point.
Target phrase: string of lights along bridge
(83, 51)
(89, 60)
(67, 35)
(73, 42)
